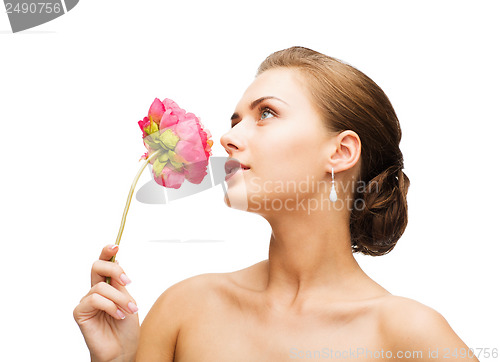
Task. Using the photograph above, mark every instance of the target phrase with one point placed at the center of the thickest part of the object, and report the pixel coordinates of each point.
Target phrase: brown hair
(349, 100)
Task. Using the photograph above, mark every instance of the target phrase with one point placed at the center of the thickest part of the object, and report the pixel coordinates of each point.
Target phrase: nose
(230, 142)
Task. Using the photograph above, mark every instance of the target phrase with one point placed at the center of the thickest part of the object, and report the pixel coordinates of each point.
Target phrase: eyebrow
(255, 103)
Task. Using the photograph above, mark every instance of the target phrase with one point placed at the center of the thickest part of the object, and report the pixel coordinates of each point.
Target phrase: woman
(306, 119)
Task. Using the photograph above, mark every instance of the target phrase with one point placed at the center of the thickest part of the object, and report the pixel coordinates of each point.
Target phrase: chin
(236, 196)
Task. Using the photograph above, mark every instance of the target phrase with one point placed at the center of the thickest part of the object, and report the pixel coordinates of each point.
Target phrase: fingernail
(125, 279)
(120, 314)
(112, 247)
(132, 307)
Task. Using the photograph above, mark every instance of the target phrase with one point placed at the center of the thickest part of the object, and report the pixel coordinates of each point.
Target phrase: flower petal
(170, 178)
(156, 111)
(196, 172)
(188, 130)
(189, 151)
(168, 120)
(168, 103)
(144, 124)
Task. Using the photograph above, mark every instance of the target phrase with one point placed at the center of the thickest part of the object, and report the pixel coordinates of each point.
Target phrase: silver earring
(333, 193)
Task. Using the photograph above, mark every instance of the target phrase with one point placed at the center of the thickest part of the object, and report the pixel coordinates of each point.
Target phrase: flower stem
(127, 204)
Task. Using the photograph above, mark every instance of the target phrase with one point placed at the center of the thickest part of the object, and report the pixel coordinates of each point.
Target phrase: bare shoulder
(173, 309)
(190, 294)
(407, 316)
(409, 325)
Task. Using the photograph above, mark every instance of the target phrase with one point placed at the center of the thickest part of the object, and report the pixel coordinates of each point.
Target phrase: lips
(232, 166)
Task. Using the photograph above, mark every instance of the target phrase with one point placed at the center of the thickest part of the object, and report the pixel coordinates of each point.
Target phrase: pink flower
(191, 151)
(196, 172)
(177, 146)
(156, 111)
(144, 124)
(170, 178)
(168, 103)
(173, 114)
(183, 145)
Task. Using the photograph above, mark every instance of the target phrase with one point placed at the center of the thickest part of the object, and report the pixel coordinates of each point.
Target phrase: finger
(120, 298)
(102, 269)
(118, 288)
(93, 303)
(108, 252)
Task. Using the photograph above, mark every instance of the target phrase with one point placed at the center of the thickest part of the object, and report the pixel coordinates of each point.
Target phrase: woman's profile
(315, 143)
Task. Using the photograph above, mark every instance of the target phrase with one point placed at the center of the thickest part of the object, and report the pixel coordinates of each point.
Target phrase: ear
(345, 151)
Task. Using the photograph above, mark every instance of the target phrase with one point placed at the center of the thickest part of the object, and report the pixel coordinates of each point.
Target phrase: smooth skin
(108, 322)
(310, 299)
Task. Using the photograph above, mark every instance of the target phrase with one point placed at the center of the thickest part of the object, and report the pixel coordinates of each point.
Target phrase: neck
(309, 256)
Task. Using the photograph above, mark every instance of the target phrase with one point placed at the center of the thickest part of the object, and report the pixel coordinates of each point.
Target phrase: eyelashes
(262, 109)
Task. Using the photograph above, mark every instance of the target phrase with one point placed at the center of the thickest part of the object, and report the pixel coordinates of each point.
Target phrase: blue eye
(264, 111)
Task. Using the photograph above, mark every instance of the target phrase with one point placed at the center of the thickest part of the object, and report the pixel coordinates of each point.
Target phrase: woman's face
(278, 134)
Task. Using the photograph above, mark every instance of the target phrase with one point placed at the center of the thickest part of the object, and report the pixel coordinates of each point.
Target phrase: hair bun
(381, 219)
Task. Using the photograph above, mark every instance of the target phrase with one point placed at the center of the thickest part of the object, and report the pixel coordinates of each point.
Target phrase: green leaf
(158, 167)
(155, 137)
(176, 165)
(163, 157)
(172, 156)
(151, 143)
(168, 139)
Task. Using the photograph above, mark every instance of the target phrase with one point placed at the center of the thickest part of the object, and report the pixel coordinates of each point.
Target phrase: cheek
(290, 155)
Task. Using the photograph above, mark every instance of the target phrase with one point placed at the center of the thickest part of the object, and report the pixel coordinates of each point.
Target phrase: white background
(72, 91)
